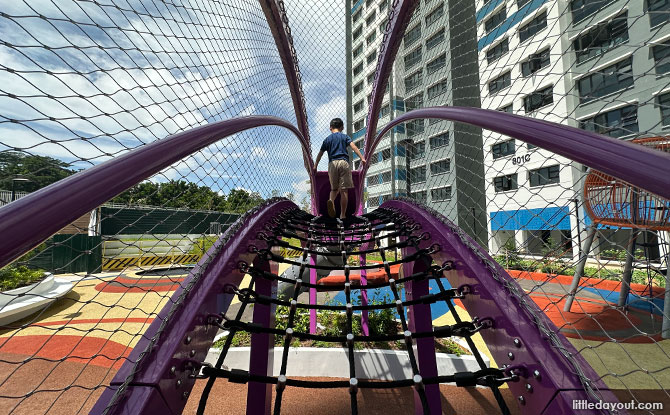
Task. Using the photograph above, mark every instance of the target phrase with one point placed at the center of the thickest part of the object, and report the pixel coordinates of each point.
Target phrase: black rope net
(85, 81)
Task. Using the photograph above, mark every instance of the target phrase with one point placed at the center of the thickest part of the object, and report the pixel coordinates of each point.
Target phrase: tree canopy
(182, 194)
(41, 171)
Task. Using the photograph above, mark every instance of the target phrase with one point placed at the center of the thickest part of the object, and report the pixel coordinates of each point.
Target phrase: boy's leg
(344, 202)
(345, 184)
(334, 188)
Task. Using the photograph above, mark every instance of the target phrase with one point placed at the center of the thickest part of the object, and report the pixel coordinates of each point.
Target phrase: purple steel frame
(32, 219)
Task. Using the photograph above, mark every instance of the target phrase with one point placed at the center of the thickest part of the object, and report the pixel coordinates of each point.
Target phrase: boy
(339, 169)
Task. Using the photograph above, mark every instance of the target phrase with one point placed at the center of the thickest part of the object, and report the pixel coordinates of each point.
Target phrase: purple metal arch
(635, 164)
(399, 16)
(519, 335)
(275, 14)
(33, 218)
(171, 347)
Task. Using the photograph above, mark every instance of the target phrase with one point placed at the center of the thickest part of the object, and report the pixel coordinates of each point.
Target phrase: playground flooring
(104, 316)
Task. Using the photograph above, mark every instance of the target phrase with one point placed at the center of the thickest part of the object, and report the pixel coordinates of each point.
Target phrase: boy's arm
(357, 151)
(318, 159)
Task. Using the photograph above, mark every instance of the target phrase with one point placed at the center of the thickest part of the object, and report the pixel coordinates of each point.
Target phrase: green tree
(40, 170)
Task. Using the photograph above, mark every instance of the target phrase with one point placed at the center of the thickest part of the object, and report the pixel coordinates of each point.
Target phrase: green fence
(135, 221)
(65, 254)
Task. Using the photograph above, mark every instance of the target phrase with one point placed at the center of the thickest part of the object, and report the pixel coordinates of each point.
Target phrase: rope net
(88, 81)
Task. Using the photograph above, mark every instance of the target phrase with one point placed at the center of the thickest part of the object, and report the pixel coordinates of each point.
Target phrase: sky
(93, 80)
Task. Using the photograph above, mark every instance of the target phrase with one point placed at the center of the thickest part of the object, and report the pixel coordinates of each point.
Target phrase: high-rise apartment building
(600, 65)
(437, 162)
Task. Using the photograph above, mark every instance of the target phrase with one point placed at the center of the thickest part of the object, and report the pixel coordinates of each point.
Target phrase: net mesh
(82, 82)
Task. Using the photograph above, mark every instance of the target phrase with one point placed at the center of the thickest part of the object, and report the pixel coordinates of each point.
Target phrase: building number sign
(521, 160)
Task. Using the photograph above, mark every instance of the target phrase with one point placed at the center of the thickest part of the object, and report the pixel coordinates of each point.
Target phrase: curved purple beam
(275, 14)
(32, 219)
(640, 166)
(398, 19)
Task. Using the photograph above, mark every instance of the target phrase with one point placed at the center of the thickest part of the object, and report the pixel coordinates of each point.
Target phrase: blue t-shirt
(336, 146)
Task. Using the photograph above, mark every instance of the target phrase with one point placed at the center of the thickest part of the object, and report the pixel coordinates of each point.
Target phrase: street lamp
(14, 181)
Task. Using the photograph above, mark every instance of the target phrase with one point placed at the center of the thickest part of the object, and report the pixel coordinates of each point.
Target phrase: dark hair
(337, 124)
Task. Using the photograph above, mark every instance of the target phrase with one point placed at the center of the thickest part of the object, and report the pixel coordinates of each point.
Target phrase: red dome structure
(611, 201)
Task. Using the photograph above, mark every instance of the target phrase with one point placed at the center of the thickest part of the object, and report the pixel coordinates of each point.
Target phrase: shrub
(12, 277)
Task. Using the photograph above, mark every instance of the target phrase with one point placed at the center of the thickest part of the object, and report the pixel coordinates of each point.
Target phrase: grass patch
(12, 277)
(202, 245)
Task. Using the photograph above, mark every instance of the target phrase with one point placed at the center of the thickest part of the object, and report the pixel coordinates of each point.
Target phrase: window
(659, 11)
(412, 35)
(440, 194)
(437, 89)
(615, 123)
(382, 27)
(534, 26)
(417, 150)
(357, 33)
(357, 164)
(383, 6)
(535, 62)
(606, 81)
(373, 180)
(664, 104)
(417, 174)
(371, 57)
(413, 58)
(358, 106)
(414, 127)
(358, 87)
(371, 38)
(386, 177)
(371, 18)
(420, 196)
(662, 57)
(368, 3)
(538, 99)
(435, 40)
(506, 148)
(521, 3)
(544, 176)
(495, 20)
(386, 154)
(357, 52)
(505, 183)
(413, 81)
(386, 110)
(494, 53)
(357, 16)
(434, 16)
(602, 38)
(358, 69)
(436, 64)
(414, 102)
(507, 108)
(499, 83)
(371, 78)
(440, 140)
(439, 167)
(581, 9)
(386, 198)
(358, 125)
(374, 159)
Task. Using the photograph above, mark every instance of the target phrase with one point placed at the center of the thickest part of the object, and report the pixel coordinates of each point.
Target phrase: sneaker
(331, 208)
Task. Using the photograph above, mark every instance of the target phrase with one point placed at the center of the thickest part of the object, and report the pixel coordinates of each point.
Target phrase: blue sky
(124, 76)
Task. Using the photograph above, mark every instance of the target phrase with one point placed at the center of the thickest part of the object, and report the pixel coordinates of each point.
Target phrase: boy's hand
(363, 161)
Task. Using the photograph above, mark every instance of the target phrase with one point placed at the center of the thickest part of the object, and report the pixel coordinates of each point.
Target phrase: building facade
(432, 161)
(599, 65)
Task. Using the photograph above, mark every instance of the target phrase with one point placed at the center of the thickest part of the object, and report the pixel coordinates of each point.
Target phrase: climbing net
(84, 82)
(318, 236)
